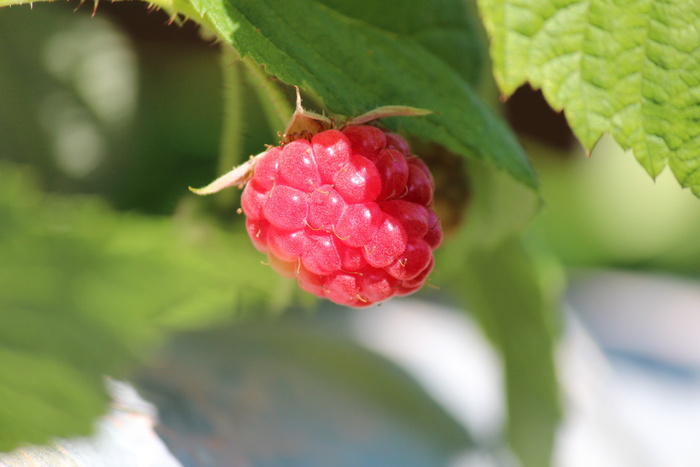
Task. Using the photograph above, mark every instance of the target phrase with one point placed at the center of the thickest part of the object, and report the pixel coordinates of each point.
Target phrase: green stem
(231, 144)
(276, 106)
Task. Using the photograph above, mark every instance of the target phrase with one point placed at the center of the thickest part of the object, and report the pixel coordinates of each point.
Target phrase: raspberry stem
(231, 143)
(274, 102)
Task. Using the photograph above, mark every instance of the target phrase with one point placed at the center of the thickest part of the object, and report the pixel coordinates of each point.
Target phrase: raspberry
(347, 214)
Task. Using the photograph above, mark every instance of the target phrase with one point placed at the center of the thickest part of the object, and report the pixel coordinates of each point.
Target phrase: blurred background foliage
(105, 121)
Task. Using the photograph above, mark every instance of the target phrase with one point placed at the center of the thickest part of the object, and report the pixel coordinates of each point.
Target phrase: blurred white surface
(446, 353)
(124, 438)
(646, 395)
(647, 314)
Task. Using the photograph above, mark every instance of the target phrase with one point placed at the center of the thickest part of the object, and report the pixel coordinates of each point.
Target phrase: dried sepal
(388, 111)
(305, 123)
(239, 176)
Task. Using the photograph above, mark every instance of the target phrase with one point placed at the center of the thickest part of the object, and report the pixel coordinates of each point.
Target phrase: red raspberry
(347, 214)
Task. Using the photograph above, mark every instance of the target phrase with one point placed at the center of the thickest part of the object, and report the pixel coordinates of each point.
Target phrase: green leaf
(502, 288)
(361, 55)
(43, 397)
(86, 292)
(631, 69)
(295, 395)
(445, 28)
(500, 282)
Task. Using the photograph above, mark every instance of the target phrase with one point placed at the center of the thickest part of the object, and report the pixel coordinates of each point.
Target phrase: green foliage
(605, 211)
(333, 50)
(87, 292)
(631, 69)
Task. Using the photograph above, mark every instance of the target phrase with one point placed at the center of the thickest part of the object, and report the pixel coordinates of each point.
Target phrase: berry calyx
(345, 211)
